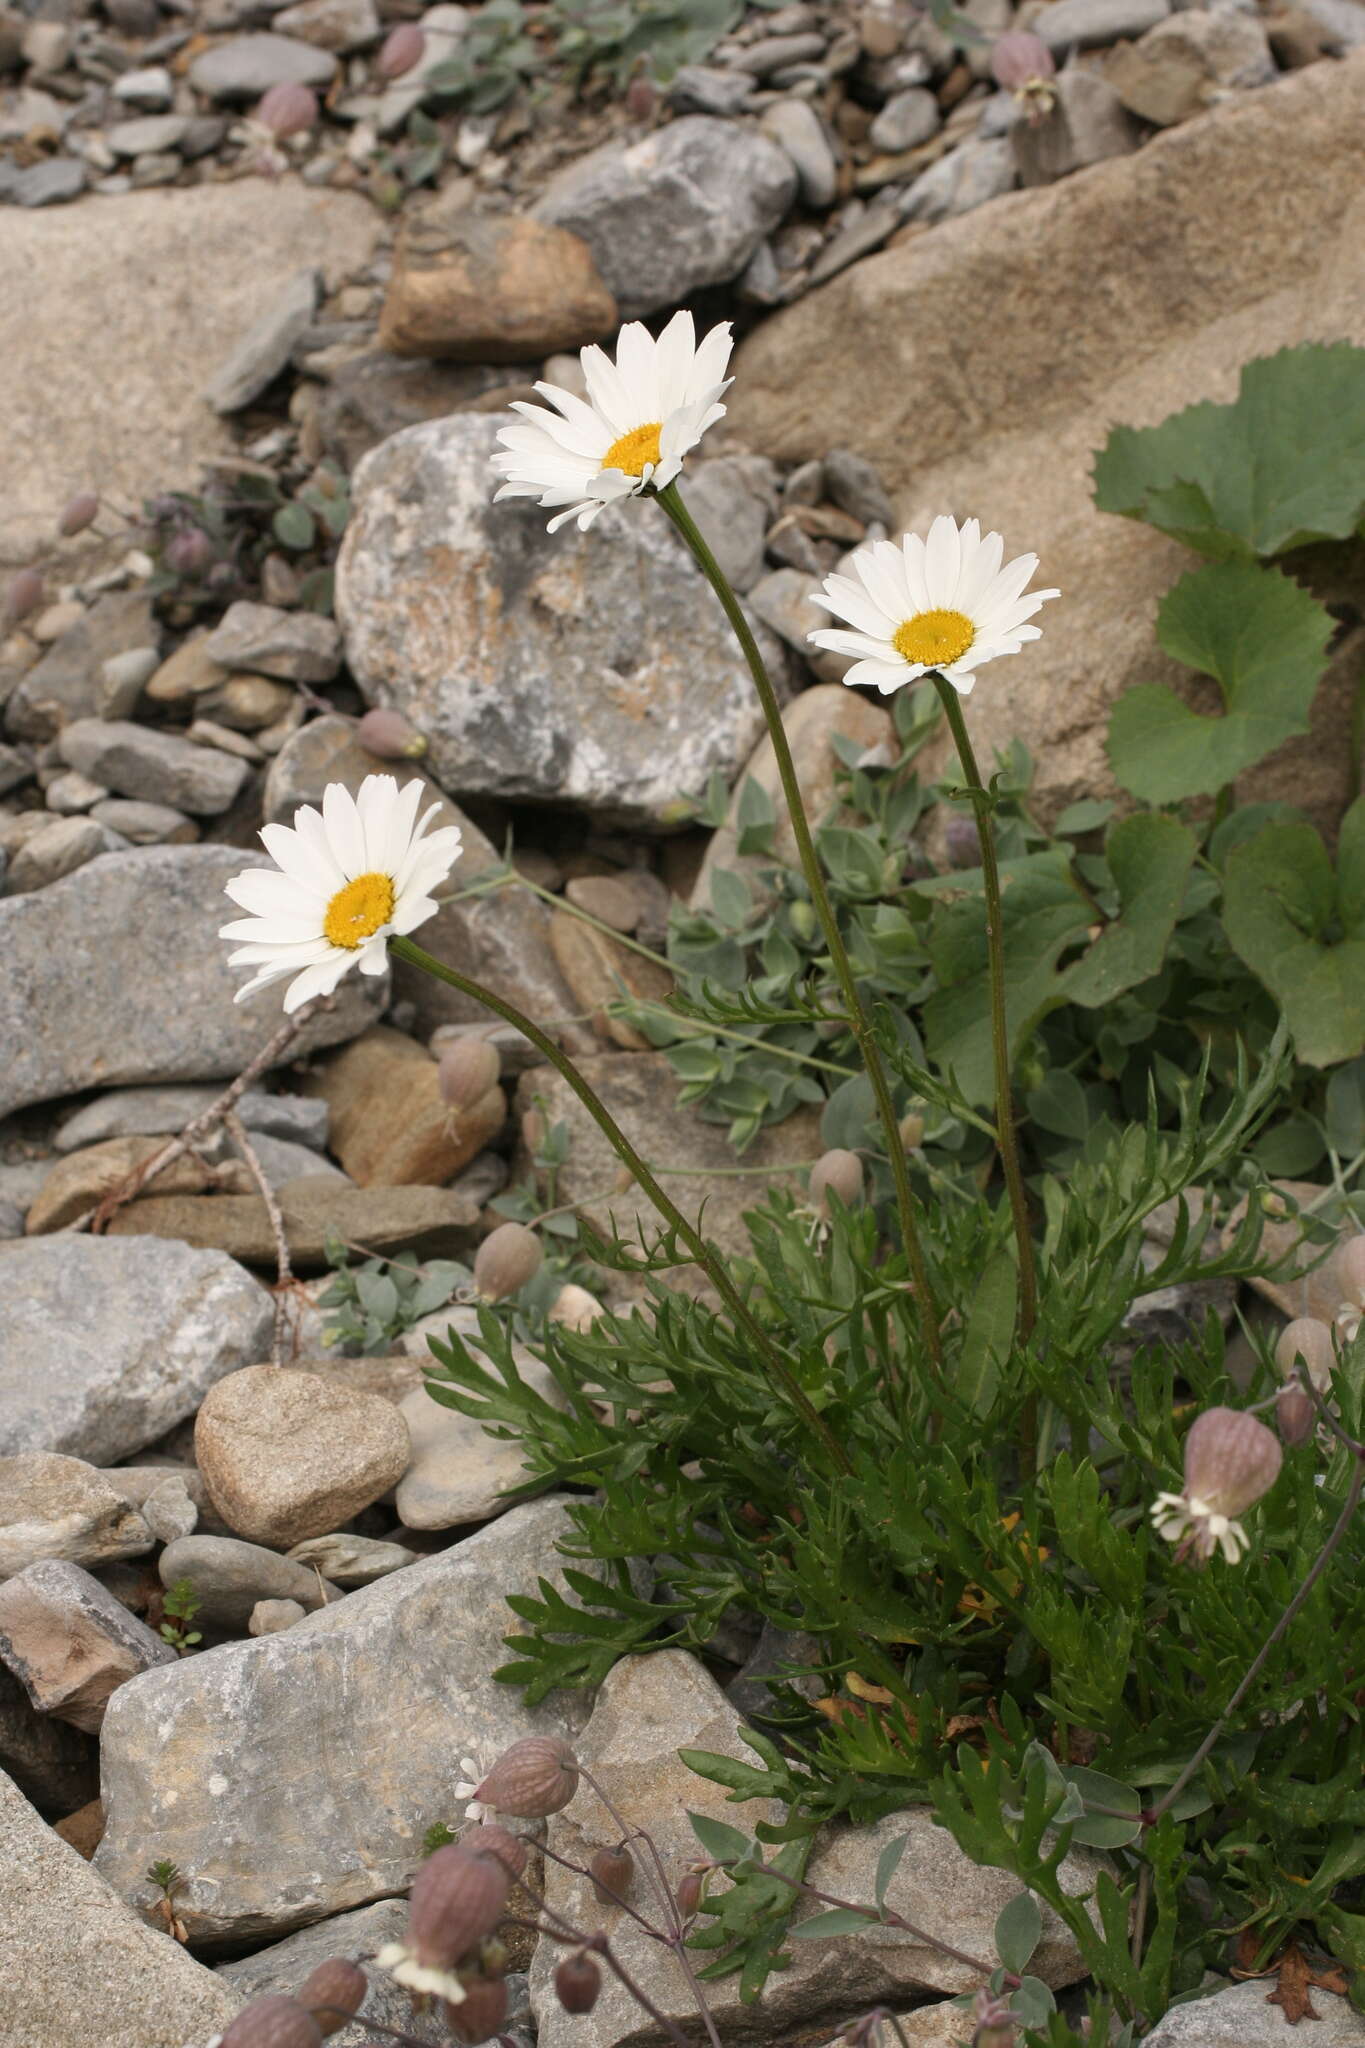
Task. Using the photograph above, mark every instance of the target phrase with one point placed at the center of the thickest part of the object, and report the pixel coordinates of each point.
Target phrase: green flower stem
(704, 1254)
(995, 943)
(673, 505)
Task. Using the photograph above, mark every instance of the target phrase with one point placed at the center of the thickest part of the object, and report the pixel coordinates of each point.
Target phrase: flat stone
(684, 207)
(267, 345)
(908, 118)
(64, 846)
(297, 647)
(246, 703)
(429, 1223)
(337, 25)
(963, 179)
(70, 1643)
(352, 1560)
(151, 133)
(1241, 2016)
(229, 1577)
(784, 600)
(189, 672)
(855, 486)
(82, 1179)
(65, 1929)
(151, 85)
(60, 1507)
(282, 1161)
(164, 1112)
(72, 793)
(117, 974)
(226, 1750)
(601, 972)
(145, 824)
(797, 129)
(158, 767)
(49, 183)
(1086, 123)
(1086, 24)
(286, 1456)
(245, 67)
(389, 1125)
(65, 684)
(456, 609)
(356, 1937)
(459, 1473)
(493, 288)
(706, 89)
(54, 1765)
(733, 518)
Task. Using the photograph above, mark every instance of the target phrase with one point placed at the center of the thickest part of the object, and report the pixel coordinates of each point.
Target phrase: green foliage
(377, 1301)
(209, 547)
(180, 1606)
(619, 37)
(488, 61)
(437, 1836)
(1301, 929)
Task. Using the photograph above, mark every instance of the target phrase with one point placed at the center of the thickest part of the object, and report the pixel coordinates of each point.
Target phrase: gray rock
(270, 1617)
(907, 119)
(78, 1969)
(239, 1746)
(15, 767)
(298, 647)
(48, 183)
(1086, 123)
(150, 86)
(145, 824)
(339, 25)
(357, 1937)
(247, 66)
(119, 685)
(169, 1511)
(456, 609)
(281, 1160)
(1344, 21)
(72, 793)
(1240, 2017)
(732, 517)
(61, 1507)
(161, 1112)
(265, 349)
(706, 89)
(117, 974)
(64, 846)
(66, 683)
(458, 1473)
(857, 238)
(107, 1343)
(854, 485)
(682, 208)
(351, 1560)
(157, 767)
(152, 133)
(230, 1577)
(783, 600)
(967, 177)
(796, 128)
(70, 1643)
(11, 1215)
(53, 1764)
(1087, 24)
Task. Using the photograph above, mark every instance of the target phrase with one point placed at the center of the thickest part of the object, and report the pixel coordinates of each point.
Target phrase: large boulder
(593, 669)
(117, 973)
(983, 363)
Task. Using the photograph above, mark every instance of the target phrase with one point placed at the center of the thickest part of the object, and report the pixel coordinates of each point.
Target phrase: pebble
(245, 67)
(966, 178)
(64, 846)
(70, 1643)
(122, 679)
(853, 484)
(299, 647)
(15, 768)
(772, 53)
(47, 184)
(351, 1560)
(52, 1506)
(145, 824)
(246, 703)
(458, 1473)
(338, 25)
(264, 350)
(151, 86)
(159, 767)
(908, 118)
(150, 134)
(857, 238)
(73, 792)
(205, 732)
(704, 89)
(796, 128)
(229, 1577)
(161, 1112)
(1089, 24)
(268, 1617)
(170, 1511)
(189, 672)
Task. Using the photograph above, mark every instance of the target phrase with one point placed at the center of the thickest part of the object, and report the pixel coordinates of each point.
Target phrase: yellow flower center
(635, 449)
(934, 638)
(356, 912)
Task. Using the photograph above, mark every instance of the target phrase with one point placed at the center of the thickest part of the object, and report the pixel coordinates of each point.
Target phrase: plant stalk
(673, 505)
(704, 1254)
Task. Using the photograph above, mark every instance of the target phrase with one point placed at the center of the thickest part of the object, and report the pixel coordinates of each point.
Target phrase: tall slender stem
(704, 1254)
(673, 505)
(995, 945)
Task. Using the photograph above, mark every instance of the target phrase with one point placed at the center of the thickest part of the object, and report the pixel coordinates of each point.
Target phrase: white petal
(345, 834)
(267, 893)
(848, 600)
(943, 563)
(318, 980)
(862, 644)
(606, 390)
(303, 853)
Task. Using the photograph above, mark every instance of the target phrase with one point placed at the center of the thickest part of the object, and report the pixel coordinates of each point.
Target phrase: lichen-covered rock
(61, 1507)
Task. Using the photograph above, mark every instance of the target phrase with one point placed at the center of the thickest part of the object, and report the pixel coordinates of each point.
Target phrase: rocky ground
(251, 345)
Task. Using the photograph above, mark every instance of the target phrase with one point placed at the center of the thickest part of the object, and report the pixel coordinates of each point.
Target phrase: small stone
(282, 1161)
(796, 128)
(67, 683)
(15, 768)
(245, 67)
(907, 119)
(854, 485)
(151, 86)
(286, 1456)
(188, 672)
(1188, 61)
(158, 767)
(59, 1507)
(1086, 123)
(859, 237)
(706, 89)
(145, 824)
(49, 183)
(121, 680)
(70, 1643)
(351, 1560)
(239, 745)
(1088, 24)
(229, 1577)
(72, 793)
(169, 1511)
(46, 45)
(783, 600)
(389, 1125)
(268, 1617)
(963, 179)
(262, 353)
(246, 703)
(150, 135)
(296, 647)
(338, 25)
(615, 899)
(1343, 21)
(497, 288)
(83, 1829)
(459, 1474)
(601, 972)
(774, 53)
(63, 847)
(426, 1223)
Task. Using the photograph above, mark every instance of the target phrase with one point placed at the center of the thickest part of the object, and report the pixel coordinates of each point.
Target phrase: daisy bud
(508, 1257)
(488, 1839)
(79, 513)
(577, 1983)
(1350, 1270)
(272, 2022)
(483, 2011)
(839, 1173)
(189, 553)
(388, 734)
(1310, 1341)
(1231, 1460)
(1295, 1415)
(574, 1308)
(536, 1776)
(402, 47)
(611, 1871)
(335, 1989)
(457, 1898)
(468, 1069)
(25, 594)
(1020, 60)
(287, 109)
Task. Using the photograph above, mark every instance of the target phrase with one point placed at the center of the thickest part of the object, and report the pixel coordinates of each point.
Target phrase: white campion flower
(1231, 1461)
(642, 414)
(470, 1779)
(943, 603)
(348, 876)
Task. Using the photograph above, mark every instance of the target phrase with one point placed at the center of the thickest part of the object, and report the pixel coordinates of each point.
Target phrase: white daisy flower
(348, 876)
(642, 414)
(945, 604)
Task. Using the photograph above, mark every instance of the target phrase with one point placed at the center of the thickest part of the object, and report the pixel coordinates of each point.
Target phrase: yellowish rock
(389, 1125)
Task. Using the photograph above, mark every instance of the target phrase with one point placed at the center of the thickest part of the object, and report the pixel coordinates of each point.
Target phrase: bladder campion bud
(508, 1257)
(77, 514)
(336, 1988)
(575, 1308)
(535, 1777)
(911, 1128)
(457, 1898)
(836, 1173)
(689, 1894)
(488, 1839)
(1231, 1460)
(1020, 60)
(482, 2012)
(25, 594)
(962, 841)
(190, 552)
(1350, 1270)
(287, 109)
(402, 47)
(577, 1983)
(1307, 1339)
(534, 1129)
(611, 1871)
(390, 735)
(1295, 1415)
(468, 1069)
(273, 2022)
